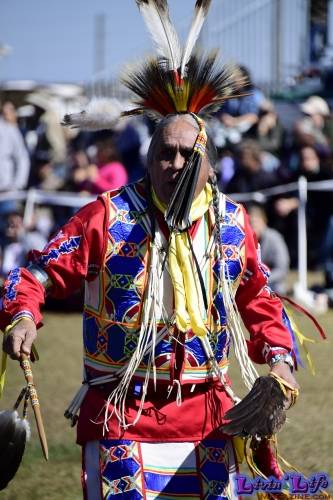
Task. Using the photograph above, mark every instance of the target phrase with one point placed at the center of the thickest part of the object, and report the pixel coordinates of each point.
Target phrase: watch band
(285, 358)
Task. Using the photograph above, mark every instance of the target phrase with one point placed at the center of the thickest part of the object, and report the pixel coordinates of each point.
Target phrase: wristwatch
(285, 358)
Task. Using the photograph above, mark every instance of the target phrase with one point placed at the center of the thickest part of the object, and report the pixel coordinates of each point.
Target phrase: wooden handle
(25, 365)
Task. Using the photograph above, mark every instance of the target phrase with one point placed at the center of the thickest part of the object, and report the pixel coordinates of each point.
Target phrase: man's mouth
(173, 181)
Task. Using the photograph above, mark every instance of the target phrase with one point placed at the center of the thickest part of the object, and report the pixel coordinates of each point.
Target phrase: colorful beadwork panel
(132, 470)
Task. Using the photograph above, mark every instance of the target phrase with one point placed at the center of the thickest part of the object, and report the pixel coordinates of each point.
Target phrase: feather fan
(261, 413)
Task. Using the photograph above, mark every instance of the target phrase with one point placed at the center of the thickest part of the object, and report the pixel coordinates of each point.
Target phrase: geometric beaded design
(134, 470)
(120, 469)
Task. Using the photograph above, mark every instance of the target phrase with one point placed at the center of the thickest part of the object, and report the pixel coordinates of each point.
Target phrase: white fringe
(147, 332)
(74, 406)
(216, 369)
(27, 427)
(22, 422)
(179, 391)
(248, 372)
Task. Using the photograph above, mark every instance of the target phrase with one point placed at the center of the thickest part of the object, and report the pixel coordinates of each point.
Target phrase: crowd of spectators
(255, 150)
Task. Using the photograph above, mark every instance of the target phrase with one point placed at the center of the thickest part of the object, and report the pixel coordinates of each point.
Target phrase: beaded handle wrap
(25, 365)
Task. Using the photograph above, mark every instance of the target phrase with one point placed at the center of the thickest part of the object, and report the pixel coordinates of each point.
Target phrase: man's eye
(166, 154)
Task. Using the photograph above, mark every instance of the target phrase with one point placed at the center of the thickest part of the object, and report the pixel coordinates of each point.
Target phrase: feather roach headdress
(179, 81)
(175, 81)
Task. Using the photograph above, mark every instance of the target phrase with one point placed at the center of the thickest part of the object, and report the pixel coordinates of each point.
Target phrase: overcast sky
(54, 40)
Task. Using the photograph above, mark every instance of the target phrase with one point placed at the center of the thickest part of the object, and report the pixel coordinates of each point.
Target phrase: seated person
(239, 114)
(274, 251)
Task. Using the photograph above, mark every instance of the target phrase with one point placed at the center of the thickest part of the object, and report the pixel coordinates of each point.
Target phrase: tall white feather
(156, 17)
(200, 13)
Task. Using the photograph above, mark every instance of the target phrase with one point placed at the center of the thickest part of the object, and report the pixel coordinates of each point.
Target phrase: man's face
(172, 151)
(249, 162)
(309, 160)
(258, 223)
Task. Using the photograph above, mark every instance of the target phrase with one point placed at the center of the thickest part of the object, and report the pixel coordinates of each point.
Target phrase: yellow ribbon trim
(302, 339)
(239, 448)
(4, 354)
(3, 372)
(182, 272)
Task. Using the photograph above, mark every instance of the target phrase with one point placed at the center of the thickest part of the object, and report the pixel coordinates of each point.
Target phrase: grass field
(306, 441)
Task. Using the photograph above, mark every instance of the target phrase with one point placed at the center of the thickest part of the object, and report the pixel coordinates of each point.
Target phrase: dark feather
(260, 413)
(13, 436)
(203, 4)
(162, 5)
(178, 212)
(7, 427)
(253, 401)
(149, 83)
(204, 88)
(211, 85)
(241, 410)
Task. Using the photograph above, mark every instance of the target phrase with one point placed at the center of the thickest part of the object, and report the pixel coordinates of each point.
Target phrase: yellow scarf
(183, 279)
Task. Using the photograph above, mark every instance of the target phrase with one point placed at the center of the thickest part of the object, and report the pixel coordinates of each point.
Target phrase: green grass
(306, 441)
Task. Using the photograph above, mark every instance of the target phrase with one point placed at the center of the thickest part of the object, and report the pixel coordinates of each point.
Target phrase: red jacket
(75, 254)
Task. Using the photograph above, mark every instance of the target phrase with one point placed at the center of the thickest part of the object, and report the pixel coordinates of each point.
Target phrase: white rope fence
(34, 197)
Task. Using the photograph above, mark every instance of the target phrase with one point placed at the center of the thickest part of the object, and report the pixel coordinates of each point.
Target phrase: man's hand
(283, 370)
(20, 339)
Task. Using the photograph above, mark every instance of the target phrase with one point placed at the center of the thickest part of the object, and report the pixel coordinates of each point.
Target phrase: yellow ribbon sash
(184, 280)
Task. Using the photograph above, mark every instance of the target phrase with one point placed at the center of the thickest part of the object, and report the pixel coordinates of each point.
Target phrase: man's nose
(178, 161)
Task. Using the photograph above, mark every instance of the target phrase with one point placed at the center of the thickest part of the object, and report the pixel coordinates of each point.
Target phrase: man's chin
(166, 195)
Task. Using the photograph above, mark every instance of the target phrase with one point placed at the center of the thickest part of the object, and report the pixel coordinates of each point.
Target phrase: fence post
(29, 207)
(302, 234)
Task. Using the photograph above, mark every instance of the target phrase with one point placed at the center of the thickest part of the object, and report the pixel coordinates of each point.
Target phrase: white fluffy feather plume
(200, 14)
(156, 16)
(100, 114)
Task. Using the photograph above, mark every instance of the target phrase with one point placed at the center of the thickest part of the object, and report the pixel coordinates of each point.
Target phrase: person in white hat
(309, 130)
